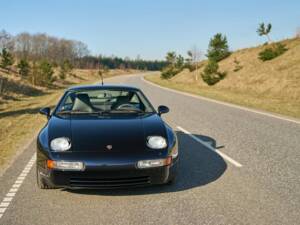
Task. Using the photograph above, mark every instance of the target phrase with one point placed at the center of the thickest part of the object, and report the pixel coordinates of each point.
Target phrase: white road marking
(15, 187)
(224, 156)
(4, 204)
(10, 194)
(2, 210)
(224, 103)
(7, 199)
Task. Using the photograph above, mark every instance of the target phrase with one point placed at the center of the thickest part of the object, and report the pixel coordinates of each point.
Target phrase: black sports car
(105, 137)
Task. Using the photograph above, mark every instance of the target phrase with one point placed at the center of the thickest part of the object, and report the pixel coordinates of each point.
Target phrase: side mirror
(45, 111)
(162, 109)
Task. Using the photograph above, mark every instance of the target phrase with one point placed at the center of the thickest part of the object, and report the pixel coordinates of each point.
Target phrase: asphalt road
(237, 167)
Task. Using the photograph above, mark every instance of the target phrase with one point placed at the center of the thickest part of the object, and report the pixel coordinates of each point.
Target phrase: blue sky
(150, 28)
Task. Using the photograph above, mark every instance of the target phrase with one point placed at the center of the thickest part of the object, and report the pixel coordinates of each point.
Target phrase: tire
(40, 183)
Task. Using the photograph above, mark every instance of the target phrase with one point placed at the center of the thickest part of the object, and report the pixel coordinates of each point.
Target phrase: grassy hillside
(272, 85)
(19, 106)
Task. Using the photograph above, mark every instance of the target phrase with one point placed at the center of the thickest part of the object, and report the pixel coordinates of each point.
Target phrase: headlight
(60, 144)
(156, 142)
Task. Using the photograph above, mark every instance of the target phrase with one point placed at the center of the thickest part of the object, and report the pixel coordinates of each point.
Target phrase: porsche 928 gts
(105, 137)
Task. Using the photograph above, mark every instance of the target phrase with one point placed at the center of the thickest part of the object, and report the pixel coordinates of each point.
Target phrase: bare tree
(23, 45)
(298, 32)
(195, 56)
(6, 41)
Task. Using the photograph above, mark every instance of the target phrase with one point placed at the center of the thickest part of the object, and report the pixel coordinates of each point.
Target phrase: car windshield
(104, 101)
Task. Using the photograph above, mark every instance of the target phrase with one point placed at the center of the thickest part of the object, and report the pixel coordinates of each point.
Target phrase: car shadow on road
(198, 166)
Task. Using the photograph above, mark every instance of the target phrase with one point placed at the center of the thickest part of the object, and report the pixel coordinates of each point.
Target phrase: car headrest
(120, 101)
(82, 103)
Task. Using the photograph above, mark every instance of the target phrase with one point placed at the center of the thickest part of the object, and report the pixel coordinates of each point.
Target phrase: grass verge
(250, 99)
(19, 118)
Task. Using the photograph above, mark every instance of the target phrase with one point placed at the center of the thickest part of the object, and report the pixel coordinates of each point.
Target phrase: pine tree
(46, 72)
(23, 67)
(262, 30)
(218, 48)
(65, 69)
(211, 75)
(7, 59)
(171, 58)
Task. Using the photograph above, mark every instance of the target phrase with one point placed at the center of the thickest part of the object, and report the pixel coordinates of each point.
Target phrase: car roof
(103, 87)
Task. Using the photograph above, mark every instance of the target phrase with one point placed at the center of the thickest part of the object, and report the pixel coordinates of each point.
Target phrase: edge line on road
(15, 187)
(223, 155)
(223, 103)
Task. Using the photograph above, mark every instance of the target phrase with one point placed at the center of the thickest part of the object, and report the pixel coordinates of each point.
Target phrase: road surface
(237, 167)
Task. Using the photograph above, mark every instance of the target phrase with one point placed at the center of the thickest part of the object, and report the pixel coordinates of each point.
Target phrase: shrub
(65, 69)
(169, 72)
(272, 52)
(41, 74)
(7, 59)
(175, 65)
(46, 72)
(190, 67)
(23, 67)
(211, 75)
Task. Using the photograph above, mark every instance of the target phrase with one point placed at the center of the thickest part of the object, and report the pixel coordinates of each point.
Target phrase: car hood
(94, 134)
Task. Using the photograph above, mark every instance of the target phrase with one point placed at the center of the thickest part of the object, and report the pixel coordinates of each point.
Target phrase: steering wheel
(125, 105)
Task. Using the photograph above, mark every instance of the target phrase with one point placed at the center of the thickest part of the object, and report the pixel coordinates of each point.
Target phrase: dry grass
(272, 85)
(19, 118)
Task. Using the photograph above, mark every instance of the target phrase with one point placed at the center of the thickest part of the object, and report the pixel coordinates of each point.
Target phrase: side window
(68, 100)
(67, 104)
(134, 99)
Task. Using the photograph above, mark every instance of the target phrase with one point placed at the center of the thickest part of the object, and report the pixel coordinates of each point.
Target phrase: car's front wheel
(40, 182)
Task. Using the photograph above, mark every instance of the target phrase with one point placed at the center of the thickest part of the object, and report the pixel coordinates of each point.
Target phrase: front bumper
(109, 177)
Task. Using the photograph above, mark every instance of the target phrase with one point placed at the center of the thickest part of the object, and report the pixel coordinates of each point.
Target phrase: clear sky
(150, 28)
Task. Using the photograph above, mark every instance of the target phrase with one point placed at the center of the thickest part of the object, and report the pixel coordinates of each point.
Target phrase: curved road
(237, 167)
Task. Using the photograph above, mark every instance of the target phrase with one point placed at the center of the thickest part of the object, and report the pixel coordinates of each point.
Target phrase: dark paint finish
(105, 167)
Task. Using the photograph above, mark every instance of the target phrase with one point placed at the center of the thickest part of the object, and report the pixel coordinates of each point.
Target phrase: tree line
(113, 62)
(36, 55)
(41, 46)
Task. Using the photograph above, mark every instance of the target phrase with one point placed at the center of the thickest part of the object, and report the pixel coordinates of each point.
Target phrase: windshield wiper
(66, 112)
(127, 110)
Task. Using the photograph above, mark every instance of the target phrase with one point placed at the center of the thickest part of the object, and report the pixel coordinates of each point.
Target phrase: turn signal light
(143, 164)
(65, 165)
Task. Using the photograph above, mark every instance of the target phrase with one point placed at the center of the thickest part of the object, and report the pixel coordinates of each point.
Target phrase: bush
(46, 72)
(211, 75)
(41, 74)
(7, 59)
(23, 67)
(272, 52)
(169, 72)
(190, 67)
(175, 65)
(65, 69)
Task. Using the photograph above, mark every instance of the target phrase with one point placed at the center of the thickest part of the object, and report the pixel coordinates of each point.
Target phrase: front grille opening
(109, 182)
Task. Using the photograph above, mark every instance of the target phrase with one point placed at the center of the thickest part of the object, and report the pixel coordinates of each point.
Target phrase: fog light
(154, 163)
(65, 165)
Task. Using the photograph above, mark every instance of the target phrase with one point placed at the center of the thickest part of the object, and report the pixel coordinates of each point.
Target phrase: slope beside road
(236, 167)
